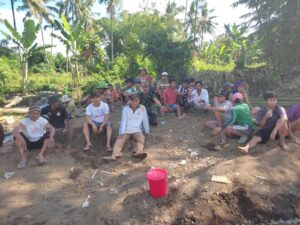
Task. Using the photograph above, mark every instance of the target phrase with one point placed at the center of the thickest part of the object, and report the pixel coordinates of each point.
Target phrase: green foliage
(9, 76)
(200, 66)
(276, 23)
(55, 82)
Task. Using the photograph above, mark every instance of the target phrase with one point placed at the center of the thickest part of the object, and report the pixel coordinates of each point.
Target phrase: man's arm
(280, 123)
(16, 130)
(262, 119)
(123, 122)
(217, 109)
(146, 122)
(157, 102)
(52, 132)
(233, 119)
(205, 96)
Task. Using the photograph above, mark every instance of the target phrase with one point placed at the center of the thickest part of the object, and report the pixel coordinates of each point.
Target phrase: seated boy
(31, 133)
(293, 114)
(184, 91)
(149, 100)
(97, 115)
(69, 105)
(170, 100)
(241, 124)
(272, 120)
(222, 112)
(56, 114)
(125, 91)
(134, 117)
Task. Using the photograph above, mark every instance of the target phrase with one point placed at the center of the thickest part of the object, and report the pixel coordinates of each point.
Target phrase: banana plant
(27, 44)
(69, 36)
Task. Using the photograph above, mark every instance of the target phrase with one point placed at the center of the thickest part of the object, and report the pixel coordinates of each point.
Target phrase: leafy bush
(10, 78)
(55, 82)
(199, 66)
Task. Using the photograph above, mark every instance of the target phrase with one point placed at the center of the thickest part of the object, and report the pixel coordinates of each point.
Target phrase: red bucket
(157, 179)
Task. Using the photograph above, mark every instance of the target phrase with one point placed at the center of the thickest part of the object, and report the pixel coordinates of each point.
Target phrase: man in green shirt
(149, 101)
(241, 124)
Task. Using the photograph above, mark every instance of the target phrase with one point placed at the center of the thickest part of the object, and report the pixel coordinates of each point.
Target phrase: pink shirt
(170, 96)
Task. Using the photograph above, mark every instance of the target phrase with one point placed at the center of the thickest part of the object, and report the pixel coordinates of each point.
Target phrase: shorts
(98, 125)
(225, 121)
(35, 144)
(244, 129)
(264, 133)
(172, 107)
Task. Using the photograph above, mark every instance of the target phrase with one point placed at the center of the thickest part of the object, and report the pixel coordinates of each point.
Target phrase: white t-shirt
(97, 113)
(34, 130)
(198, 98)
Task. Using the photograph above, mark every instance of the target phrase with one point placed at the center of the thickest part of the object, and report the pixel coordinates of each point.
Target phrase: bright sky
(223, 11)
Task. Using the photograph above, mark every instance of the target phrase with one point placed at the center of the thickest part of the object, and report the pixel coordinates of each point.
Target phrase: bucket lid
(157, 174)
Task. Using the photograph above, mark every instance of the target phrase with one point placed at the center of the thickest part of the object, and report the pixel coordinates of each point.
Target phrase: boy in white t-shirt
(31, 133)
(97, 115)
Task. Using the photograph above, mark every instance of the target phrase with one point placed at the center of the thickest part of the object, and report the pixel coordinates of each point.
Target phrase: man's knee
(229, 130)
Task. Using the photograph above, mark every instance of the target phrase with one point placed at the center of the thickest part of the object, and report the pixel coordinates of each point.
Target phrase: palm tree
(75, 10)
(197, 24)
(111, 10)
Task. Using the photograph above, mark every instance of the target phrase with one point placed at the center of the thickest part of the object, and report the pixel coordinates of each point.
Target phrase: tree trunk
(25, 77)
(185, 14)
(112, 38)
(43, 40)
(15, 26)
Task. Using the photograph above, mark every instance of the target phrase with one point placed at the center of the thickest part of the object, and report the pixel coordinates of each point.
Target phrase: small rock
(8, 175)
(183, 162)
(194, 154)
(113, 191)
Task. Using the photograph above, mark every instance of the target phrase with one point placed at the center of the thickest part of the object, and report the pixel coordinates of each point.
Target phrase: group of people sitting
(142, 100)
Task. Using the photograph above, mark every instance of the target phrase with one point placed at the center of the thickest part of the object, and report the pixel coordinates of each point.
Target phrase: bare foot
(296, 141)
(284, 147)
(217, 131)
(181, 117)
(243, 150)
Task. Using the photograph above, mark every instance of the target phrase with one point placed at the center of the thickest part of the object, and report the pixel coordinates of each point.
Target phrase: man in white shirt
(31, 133)
(97, 115)
(134, 118)
(199, 98)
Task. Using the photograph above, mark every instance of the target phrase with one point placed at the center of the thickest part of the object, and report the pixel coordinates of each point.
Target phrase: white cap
(65, 98)
(164, 74)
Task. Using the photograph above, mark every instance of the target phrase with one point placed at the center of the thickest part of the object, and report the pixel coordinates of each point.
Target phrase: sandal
(87, 147)
(109, 149)
(22, 164)
(141, 155)
(41, 160)
(109, 159)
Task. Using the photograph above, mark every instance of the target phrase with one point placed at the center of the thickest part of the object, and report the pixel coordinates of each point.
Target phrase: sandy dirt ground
(264, 188)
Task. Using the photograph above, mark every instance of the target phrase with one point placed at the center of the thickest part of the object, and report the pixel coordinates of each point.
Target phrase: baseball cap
(137, 81)
(34, 108)
(102, 85)
(236, 97)
(53, 99)
(164, 74)
(128, 80)
(227, 84)
(65, 98)
(221, 93)
(239, 83)
(94, 95)
(133, 97)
